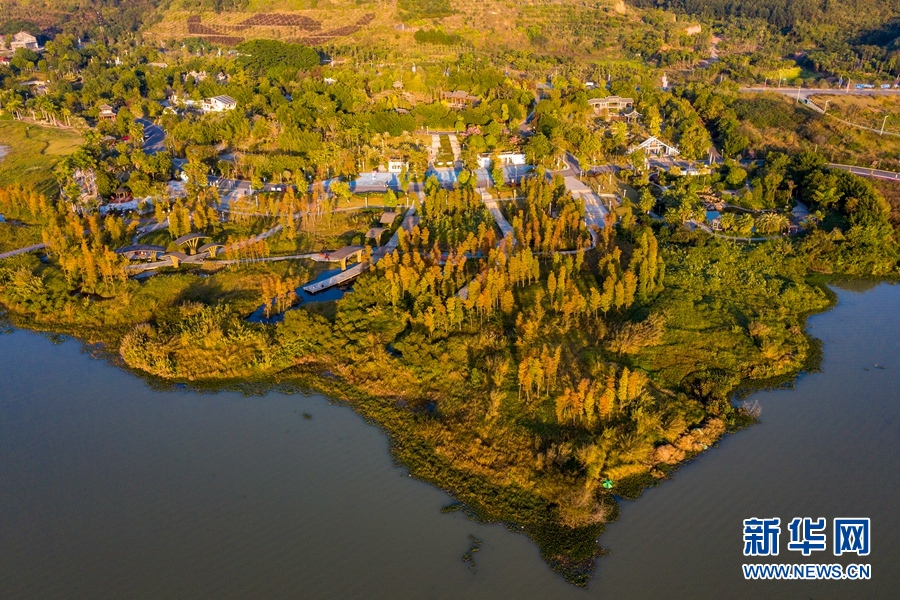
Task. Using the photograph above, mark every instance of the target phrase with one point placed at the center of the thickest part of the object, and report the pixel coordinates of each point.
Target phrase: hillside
(109, 17)
(565, 27)
(865, 18)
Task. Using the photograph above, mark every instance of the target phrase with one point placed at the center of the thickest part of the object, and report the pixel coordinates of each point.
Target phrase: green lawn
(34, 152)
(445, 154)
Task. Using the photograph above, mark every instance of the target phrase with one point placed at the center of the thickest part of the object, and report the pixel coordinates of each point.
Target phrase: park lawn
(604, 184)
(34, 152)
(328, 233)
(445, 153)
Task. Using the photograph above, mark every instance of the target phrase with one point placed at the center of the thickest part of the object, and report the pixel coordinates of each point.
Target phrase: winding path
(25, 250)
(201, 256)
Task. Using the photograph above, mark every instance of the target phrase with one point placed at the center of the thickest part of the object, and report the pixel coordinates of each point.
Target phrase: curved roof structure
(189, 237)
(206, 247)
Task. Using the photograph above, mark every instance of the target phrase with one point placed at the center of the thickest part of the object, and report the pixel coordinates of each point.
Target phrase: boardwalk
(25, 250)
(408, 223)
(201, 256)
(491, 204)
(338, 279)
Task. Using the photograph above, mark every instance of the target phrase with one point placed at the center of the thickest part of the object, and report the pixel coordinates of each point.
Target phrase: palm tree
(771, 223)
(10, 102)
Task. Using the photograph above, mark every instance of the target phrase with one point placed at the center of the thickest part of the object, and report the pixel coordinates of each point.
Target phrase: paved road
(154, 137)
(595, 212)
(807, 92)
(868, 172)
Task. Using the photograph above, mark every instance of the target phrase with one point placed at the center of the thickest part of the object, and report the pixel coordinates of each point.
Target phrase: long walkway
(337, 279)
(25, 250)
(201, 256)
(595, 212)
(505, 228)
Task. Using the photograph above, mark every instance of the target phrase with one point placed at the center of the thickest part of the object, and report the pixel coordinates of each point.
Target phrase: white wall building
(485, 161)
(23, 39)
(395, 165)
(655, 147)
(219, 104)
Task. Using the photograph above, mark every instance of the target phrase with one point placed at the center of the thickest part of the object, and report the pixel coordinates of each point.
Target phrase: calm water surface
(111, 490)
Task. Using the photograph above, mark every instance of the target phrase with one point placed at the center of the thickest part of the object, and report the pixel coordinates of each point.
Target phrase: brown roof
(460, 94)
(375, 233)
(344, 252)
(388, 218)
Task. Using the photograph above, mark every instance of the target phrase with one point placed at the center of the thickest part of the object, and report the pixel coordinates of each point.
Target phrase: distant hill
(852, 16)
(565, 27)
(112, 17)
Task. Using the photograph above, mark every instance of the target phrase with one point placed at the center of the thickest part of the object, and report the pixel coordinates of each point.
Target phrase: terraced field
(566, 24)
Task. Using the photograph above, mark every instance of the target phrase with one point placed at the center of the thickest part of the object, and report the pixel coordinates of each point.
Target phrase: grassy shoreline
(571, 552)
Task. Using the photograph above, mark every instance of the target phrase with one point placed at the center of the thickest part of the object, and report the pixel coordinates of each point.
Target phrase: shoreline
(468, 489)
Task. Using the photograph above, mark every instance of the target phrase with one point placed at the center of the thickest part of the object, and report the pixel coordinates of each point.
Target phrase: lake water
(109, 489)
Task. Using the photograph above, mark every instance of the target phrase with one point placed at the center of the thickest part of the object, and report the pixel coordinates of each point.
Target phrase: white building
(485, 161)
(395, 165)
(219, 104)
(611, 104)
(655, 147)
(23, 39)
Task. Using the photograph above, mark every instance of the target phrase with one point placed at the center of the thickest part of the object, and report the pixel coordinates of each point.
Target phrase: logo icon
(761, 536)
(807, 535)
(852, 536)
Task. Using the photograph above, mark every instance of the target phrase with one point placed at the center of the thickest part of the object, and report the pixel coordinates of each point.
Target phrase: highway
(804, 93)
(868, 172)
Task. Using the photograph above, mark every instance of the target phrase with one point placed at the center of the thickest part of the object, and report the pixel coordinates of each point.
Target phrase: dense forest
(786, 14)
(112, 18)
